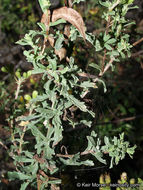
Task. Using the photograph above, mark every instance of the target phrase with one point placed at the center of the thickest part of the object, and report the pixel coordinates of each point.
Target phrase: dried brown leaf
(54, 187)
(23, 123)
(61, 53)
(46, 19)
(67, 30)
(51, 40)
(71, 16)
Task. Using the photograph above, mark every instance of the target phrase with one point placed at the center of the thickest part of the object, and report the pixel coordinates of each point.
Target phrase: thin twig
(87, 75)
(19, 82)
(137, 42)
(108, 25)
(106, 123)
(22, 136)
(65, 155)
(82, 153)
(3, 145)
(139, 53)
(89, 169)
(21, 139)
(44, 46)
(12, 135)
(106, 67)
(105, 51)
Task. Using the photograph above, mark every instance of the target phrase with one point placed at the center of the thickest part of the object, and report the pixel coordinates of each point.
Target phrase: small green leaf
(94, 65)
(3, 69)
(60, 21)
(106, 37)
(34, 94)
(44, 4)
(42, 26)
(18, 175)
(111, 41)
(108, 47)
(24, 185)
(105, 4)
(59, 41)
(98, 46)
(27, 97)
(18, 74)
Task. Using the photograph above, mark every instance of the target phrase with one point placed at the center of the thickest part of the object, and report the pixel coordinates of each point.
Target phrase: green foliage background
(124, 86)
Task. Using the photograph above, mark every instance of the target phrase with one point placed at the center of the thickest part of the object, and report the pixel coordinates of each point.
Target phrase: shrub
(60, 103)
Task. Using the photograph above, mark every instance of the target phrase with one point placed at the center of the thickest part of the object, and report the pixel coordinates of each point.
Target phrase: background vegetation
(118, 110)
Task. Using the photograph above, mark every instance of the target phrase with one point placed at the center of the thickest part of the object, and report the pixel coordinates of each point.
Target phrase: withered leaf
(61, 53)
(71, 16)
(67, 30)
(51, 40)
(46, 19)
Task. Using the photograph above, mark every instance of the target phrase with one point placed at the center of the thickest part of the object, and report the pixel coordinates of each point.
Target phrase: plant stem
(3, 145)
(105, 51)
(106, 67)
(137, 42)
(19, 82)
(23, 133)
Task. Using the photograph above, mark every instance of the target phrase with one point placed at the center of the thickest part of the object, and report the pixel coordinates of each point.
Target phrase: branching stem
(19, 82)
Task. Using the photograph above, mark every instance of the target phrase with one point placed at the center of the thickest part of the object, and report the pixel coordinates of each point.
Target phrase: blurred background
(118, 110)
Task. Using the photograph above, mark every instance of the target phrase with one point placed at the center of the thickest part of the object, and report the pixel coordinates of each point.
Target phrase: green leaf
(44, 4)
(106, 141)
(91, 38)
(108, 47)
(53, 63)
(111, 41)
(94, 65)
(74, 161)
(49, 113)
(35, 168)
(87, 84)
(59, 41)
(91, 141)
(42, 26)
(18, 175)
(98, 156)
(104, 85)
(93, 134)
(73, 33)
(98, 46)
(24, 185)
(106, 37)
(35, 131)
(76, 102)
(60, 21)
(131, 150)
(105, 4)
(85, 122)
(55, 181)
(23, 159)
(113, 53)
(58, 130)
(28, 154)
